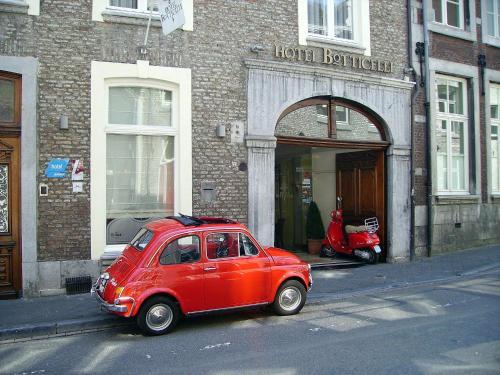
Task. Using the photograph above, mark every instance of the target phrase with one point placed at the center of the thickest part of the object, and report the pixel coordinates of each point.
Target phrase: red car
(184, 265)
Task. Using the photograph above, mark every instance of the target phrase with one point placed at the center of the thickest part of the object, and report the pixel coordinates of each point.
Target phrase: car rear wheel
(158, 315)
(290, 298)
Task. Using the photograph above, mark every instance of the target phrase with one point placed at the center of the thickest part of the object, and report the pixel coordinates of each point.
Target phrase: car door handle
(210, 268)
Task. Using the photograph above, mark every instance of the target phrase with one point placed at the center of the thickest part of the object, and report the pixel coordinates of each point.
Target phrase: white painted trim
(176, 79)
(33, 5)
(361, 44)
(454, 31)
(469, 72)
(100, 6)
(488, 39)
(490, 76)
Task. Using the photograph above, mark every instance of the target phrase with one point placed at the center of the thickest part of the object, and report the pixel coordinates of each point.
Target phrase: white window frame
(444, 13)
(33, 5)
(467, 32)
(102, 7)
(493, 40)
(493, 122)
(449, 118)
(105, 75)
(361, 30)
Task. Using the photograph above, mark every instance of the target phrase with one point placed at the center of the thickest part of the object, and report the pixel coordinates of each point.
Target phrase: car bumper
(116, 308)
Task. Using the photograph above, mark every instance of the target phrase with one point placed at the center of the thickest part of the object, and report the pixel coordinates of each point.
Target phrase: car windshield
(141, 239)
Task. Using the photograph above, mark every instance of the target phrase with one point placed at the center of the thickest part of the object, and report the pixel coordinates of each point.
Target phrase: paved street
(451, 327)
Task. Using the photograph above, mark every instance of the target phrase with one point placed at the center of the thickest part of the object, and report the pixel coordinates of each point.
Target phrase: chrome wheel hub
(159, 317)
(290, 298)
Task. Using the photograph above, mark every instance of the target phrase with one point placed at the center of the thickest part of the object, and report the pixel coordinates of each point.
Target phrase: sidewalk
(62, 315)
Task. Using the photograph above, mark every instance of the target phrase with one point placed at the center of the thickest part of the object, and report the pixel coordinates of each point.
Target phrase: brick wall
(66, 40)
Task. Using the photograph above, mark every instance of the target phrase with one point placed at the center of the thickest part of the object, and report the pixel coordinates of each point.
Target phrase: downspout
(430, 207)
(414, 94)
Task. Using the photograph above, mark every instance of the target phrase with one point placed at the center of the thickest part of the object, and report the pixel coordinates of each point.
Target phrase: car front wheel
(290, 298)
(158, 315)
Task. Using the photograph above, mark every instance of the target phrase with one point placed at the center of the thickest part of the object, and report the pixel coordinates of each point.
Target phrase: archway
(328, 147)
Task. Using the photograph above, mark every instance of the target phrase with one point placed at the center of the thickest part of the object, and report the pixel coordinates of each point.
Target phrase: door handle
(210, 268)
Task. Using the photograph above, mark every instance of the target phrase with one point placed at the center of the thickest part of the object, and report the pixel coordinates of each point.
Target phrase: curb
(63, 328)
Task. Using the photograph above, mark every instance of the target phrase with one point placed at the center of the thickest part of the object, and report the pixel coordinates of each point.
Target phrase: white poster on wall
(171, 15)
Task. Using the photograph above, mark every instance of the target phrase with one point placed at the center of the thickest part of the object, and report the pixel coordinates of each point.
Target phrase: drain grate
(80, 284)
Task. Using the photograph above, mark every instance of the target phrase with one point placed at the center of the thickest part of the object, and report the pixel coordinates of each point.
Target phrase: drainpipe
(414, 94)
(430, 207)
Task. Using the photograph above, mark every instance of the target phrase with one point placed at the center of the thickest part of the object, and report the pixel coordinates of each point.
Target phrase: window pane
(491, 24)
(181, 250)
(458, 173)
(436, 7)
(222, 245)
(140, 106)
(343, 19)
(494, 102)
(316, 11)
(124, 3)
(457, 138)
(442, 172)
(139, 176)
(356, 128)
(340, 113)
(453, 13)
(304, 122)
(247, 247)
(6, 100)
(455, 91)
(495, 168)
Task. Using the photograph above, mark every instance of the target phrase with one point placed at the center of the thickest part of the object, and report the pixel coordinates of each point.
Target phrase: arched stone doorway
(328, 147)
(272, 87)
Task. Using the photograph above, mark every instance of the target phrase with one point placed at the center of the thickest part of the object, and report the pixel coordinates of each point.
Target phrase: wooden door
(360, 183)
(10, 241)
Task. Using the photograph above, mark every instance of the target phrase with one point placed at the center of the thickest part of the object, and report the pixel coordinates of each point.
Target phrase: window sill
(13, 6)
(329, 43)
(495, 197)
(130, 18)
(457, 199)
(112, 251)
(492, 41)
(452, 31)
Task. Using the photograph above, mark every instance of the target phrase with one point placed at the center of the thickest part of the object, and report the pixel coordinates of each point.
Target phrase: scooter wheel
(374, 257)
(326, 252)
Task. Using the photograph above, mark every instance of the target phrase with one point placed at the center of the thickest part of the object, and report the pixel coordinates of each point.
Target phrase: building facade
(456, 53)
(250, 111)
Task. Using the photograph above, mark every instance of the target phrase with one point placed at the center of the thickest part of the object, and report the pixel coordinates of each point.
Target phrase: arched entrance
(328, 147)
(273, 87)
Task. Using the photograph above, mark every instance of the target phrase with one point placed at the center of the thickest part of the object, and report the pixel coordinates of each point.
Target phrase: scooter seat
(355, 229)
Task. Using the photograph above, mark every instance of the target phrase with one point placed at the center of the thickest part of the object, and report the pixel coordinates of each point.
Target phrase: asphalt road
(452, 328)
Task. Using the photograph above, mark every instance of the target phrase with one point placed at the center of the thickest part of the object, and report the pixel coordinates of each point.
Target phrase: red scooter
(362, 241)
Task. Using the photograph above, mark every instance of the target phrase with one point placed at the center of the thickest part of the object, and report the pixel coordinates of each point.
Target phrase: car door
(237, 271)
(180, 269)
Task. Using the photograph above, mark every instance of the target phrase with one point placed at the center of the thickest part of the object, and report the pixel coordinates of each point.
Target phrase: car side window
(181, 250)
(222, 245)
(247, 247)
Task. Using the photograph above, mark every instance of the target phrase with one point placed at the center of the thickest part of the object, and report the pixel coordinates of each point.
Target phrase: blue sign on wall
(57, 168)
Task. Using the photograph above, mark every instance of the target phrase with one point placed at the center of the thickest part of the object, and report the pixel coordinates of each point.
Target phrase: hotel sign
(329, 56)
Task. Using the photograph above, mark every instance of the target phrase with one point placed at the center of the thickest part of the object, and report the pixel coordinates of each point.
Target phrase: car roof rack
(197, 221)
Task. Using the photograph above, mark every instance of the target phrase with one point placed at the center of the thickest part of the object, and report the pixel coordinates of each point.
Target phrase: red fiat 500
(186, 265)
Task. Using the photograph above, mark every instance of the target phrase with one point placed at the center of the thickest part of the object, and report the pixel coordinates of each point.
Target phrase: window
(495, 145)
(140, 157)
(493, 18)
(182, 250)
(449, 12)
(222, 245)
(330, 18)
(141, 151)
(141, 239)
(140, 5)
(451, 135)
(247, 248)
(342, 22)
(130, 11)
(10, 100)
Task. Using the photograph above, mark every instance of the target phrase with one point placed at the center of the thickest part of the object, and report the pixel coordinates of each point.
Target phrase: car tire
(290, 298)
(158, 315)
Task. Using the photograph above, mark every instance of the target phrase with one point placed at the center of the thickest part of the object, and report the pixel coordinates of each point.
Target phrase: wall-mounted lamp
(63, 122)
(221, 131)
(257, 48)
